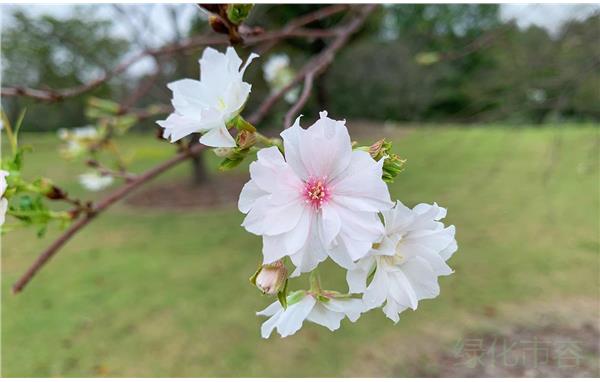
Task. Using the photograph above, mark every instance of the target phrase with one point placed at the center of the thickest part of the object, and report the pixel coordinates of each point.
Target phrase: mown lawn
(151, 292)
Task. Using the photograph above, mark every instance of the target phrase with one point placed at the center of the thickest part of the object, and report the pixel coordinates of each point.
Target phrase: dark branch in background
(306, 90)
(290, 30)
(111, 199)
(316, 65)
(310, 71)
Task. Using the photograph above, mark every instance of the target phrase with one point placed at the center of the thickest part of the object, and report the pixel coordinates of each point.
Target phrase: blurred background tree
(46, 52)
(413, 62)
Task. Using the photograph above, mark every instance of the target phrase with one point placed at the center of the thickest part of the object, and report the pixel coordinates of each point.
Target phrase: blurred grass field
(153, 292)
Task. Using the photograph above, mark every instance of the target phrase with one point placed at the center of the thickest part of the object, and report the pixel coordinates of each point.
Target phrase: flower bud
(270, 278)
(380, 148)
(246, 139)
(237, 13)
(392, 166)
(392, 163)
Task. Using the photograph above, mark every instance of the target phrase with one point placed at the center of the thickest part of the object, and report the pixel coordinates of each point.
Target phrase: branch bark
(104, 204)
(310, 71)
(318, 64)
(292, 29)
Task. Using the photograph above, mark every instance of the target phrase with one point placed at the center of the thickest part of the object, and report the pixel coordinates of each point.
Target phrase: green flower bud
(237, 13)
(392, 164)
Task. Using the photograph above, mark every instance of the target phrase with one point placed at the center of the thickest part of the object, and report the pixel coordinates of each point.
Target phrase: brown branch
(310, 70)
(318, 64)
(293, 29)
(111, 199)
(306, 89)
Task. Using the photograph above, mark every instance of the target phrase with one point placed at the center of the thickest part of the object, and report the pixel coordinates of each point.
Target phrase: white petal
(351, 307)
(270, 310)
(398, 218)
(292, 318)
(360, 186)
(391, 310)
(291, 144)
(401, 290)
(250, 192)
(218, 137)
(325, 317)
(267, 327)
(422, 278)
(329, 224)
(326, 148)
(377, 291)
(312, 253)
(357, 277)
(288, 243)
(177, 127)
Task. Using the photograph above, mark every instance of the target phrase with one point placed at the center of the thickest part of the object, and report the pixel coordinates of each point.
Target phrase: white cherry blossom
(321, 200)
(94, 181)
(407, 262)
(206, 106)
(325, 313)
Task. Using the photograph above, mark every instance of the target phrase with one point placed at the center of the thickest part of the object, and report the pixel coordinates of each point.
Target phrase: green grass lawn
(150, 292)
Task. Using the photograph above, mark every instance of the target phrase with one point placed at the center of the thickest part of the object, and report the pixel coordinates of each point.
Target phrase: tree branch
(111, 199)
(312, 69)
(292, 29)
(306, 89)
(316, 65)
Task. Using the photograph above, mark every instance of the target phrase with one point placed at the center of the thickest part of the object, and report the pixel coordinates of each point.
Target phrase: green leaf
(282, 295)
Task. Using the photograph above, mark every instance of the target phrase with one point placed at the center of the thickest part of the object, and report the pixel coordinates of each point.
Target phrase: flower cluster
(313, 196)
(324, 200)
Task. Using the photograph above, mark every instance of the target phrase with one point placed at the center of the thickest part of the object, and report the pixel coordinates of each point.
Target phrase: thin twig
(111, 199)
(316, 65)
(293, 30)
(308, 84)
(312, 69)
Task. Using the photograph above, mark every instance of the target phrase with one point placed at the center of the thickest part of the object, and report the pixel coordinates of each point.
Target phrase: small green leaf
(282, 295)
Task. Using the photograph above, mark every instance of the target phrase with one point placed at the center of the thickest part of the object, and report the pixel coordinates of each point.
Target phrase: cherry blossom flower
(407, 262)
(322, 200)
(94, 181)
(78, 140)
(278, 74)
(206, 106)
(325, 312)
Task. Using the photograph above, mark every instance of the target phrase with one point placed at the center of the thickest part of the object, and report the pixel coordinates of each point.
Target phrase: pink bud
(271, 278)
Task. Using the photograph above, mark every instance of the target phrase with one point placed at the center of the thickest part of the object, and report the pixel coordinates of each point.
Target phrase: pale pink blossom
(321, 200)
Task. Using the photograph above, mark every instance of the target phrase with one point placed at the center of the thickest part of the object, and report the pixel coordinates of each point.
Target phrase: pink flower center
(316, 192)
